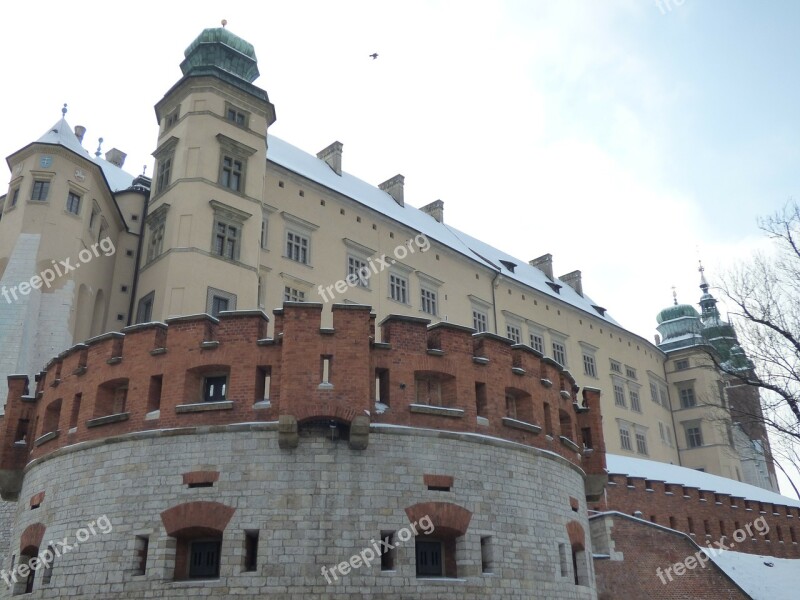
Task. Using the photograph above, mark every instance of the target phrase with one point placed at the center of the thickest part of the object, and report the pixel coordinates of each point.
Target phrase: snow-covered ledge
(441, 411)
(523, 425)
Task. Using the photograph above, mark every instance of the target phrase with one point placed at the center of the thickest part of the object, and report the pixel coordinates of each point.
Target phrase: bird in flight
(374, 55)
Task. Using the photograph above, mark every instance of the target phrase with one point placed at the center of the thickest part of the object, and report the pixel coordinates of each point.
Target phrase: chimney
(394, 187)
(573, 280)
(333, 156)
(544, 263)
(116, 157)
(657, 339)
(80, 131)
(435, 209)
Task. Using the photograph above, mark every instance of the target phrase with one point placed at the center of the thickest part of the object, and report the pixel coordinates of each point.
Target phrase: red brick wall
(186, 349)
(722, 513)
(646, 549)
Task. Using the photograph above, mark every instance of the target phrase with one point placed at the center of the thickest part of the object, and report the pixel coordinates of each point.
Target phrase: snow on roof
(657, 471)
(309, 166)
(61, 134)
(762, 582)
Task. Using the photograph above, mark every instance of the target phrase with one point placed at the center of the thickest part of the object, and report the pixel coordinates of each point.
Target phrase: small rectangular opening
(387, 556)
(141, 546)
(76, 410)
(486, 554)
(382, 386)
(563, 563)
(201, 484)
(690, 523)
(250, 550)
(326, 369)
(481, 402)
(263, 383)
(154, 393)
(439, 488)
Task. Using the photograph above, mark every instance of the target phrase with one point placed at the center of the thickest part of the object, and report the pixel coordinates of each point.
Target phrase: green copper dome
(676, 312)
(218, 48)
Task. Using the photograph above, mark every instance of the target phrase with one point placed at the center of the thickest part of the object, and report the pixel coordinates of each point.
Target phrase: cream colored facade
(237, 219)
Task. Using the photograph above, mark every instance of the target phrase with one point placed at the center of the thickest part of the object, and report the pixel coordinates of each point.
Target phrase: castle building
(409, 374)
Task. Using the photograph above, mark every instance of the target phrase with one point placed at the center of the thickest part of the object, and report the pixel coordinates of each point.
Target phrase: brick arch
(208, 516)
(577, 537)
(32, 536)
(447, 518)
(324, 410)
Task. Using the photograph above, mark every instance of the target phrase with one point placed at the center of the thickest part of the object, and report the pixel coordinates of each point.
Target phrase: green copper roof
(219, 48)
(677, 311)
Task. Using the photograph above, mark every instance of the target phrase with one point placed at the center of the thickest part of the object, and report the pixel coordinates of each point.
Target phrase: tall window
(264, 229)
(560, 353)
(513, 333)
(144, 314)
(619, 395)
(40, 190)
(694, 436)
(687, 397)
(358, 271)
(625, 438)
(428, 391)
(398, 288)
(428, 302)
(641, 443)
(653, 392)
(226, 240)
(156, 244)
(231, 174)
(635, 404)
(164, 174)
(479, 321)
(291, 294)
(537, 342)
(589, 366)
(297, 247)
(14, 198)
(73, 203)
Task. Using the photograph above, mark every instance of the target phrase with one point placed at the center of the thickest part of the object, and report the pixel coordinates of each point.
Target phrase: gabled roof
(298, 161)
(61, 134)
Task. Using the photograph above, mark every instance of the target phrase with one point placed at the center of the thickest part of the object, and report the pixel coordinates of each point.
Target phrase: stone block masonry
(313, 506)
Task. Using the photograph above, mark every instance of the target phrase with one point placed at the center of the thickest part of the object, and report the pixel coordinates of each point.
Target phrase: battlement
(707, 516)
(199, 371)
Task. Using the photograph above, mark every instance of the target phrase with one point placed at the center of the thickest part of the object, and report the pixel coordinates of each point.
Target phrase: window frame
(289, 291)
(191, 554)
(294, 249)
(625, 438)
(429, 300)
(44, 184)
(236, 152)
(401, 283)
(72, 197)
(144, 308)
(213, 294)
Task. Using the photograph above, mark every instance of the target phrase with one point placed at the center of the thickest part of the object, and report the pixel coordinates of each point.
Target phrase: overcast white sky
(627, 140)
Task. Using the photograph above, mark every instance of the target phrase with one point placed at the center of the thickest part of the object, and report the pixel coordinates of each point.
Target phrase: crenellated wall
(444, 377)
(706, 516)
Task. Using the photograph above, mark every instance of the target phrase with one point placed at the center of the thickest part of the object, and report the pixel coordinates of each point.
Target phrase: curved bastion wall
(315, 507)
(280, 456)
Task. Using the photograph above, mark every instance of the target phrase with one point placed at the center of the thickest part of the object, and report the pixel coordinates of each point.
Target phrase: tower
(203, 228)
(69, 231)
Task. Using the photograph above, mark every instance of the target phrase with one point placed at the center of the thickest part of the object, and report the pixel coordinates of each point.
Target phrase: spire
(64, 111)
(703, 282)
(674, 296)
(99, 147)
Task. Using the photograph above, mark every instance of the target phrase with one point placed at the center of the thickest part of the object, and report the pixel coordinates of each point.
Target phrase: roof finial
(224, 22)
(674, 296)
(64, 111)
(99, 149)
(703, 282)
